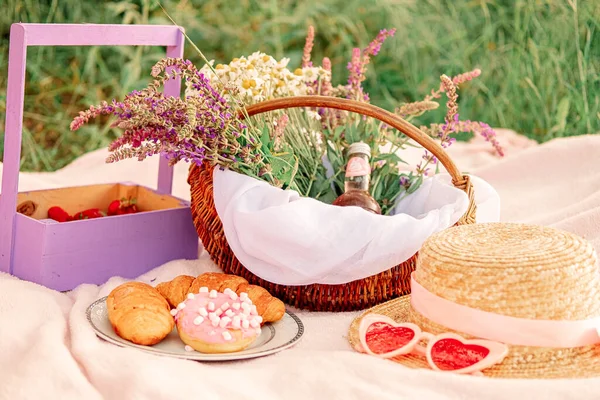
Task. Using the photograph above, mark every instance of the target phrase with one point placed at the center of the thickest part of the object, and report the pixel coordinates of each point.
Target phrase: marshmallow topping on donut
(215, 322)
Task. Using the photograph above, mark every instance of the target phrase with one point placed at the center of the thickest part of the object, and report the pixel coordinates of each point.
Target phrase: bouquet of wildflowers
(205, 127)
(300, 149)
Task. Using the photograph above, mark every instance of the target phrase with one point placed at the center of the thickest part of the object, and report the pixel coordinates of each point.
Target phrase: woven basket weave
(356, 295)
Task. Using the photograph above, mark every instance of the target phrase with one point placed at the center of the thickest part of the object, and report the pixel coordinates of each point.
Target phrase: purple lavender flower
(375, 46)
(404, 181)
(197, 129)
(358, 65)
(355, 76)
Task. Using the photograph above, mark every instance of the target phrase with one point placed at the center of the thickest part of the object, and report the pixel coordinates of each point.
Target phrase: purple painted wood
(172, 88)
(29, 247)
(92, 251)
(102, 35)
(15, 92)
(62, 256)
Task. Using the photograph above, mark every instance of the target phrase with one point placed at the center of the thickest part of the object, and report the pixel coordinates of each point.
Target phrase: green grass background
(540, 59)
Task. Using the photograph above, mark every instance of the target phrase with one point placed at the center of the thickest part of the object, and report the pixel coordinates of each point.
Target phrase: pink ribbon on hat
(503, 328)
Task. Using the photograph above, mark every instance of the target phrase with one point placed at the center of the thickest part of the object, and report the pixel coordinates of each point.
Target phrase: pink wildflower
(457, 80)
(467, 76)
(475, 127)
(483, 129)
(326, 86)
(415, 108)
(85, 116)
(452, 104)
(355, 76)
(278, 132)
(375, 46)
(358, 64)
(308, 46)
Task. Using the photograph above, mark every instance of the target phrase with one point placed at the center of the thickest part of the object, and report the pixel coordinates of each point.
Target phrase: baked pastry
(138, 313)
(175, 290)
(270, 308)
(217, 322)
(217, 281)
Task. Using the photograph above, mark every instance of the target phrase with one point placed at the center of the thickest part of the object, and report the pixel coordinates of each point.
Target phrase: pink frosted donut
(215, 322)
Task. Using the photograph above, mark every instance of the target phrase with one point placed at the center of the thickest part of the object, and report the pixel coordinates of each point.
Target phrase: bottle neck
(358, 173)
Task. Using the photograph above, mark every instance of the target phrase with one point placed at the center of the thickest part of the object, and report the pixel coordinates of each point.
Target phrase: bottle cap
(359, 147)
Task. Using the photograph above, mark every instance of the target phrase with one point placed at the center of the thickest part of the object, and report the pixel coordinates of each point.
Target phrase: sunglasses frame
(497, 351)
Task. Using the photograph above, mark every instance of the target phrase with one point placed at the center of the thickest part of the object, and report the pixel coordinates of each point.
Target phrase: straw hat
(516, 270)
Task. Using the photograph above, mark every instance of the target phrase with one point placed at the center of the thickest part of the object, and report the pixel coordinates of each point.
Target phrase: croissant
(138, 313)
(217, 281)
(175, 290)
(270, 308)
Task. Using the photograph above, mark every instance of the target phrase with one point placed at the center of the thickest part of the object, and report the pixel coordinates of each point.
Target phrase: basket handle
(459, 180)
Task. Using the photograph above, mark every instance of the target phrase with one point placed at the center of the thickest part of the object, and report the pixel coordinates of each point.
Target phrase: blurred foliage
(540, 59)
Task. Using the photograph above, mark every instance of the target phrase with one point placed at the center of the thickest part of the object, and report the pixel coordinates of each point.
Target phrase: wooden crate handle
(459, 180)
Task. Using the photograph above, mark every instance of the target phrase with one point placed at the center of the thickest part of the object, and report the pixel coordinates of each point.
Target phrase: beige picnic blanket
(48, 350)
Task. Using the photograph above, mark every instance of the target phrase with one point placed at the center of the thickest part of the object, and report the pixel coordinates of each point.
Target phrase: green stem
(374, 186)
(312, 179)
(330, 180)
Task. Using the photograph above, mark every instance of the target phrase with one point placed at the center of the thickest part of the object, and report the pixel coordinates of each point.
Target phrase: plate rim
(197, 356)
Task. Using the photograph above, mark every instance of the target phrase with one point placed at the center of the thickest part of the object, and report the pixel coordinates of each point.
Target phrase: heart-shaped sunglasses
(381, 336)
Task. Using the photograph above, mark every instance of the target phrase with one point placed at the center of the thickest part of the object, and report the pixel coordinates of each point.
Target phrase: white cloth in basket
(292, 240)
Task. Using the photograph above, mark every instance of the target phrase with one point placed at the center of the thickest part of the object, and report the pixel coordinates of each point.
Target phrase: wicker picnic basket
(356, 295)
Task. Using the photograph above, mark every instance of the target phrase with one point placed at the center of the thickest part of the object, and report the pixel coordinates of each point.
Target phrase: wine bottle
(358, 177)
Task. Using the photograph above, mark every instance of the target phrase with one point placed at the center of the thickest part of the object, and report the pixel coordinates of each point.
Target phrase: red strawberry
(130, 209)
(58, 214)
(89, 214)
(114, 207)
(122, 207)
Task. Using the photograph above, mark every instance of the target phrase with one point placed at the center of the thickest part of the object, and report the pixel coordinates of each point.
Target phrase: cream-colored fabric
(334, 245)
(47, 349)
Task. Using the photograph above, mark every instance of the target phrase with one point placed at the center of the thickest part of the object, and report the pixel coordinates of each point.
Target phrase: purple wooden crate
(64, 255)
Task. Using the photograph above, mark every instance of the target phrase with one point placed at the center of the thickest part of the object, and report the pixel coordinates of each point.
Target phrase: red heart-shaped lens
(383, 338)
(452, 354)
